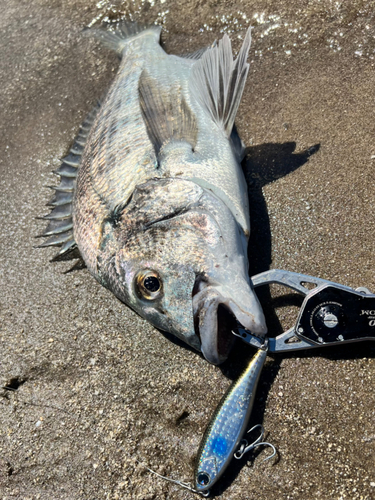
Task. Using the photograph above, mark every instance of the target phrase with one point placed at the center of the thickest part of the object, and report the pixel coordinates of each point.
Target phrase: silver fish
(222, 437)
(153, 194)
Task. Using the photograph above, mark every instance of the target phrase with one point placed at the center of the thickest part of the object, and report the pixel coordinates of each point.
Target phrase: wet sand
(95, 387)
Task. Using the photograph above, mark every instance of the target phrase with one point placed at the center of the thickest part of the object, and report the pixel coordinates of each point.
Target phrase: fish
(222, 438)
(152, 193)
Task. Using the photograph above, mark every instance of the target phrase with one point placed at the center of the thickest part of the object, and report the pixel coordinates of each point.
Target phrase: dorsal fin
(217, 81)
(166, 113)
(60, 226)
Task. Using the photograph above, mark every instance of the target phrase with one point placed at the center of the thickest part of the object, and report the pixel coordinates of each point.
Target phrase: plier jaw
(331, 313)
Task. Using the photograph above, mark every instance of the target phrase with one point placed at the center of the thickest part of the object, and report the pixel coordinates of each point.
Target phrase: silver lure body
(225, 432)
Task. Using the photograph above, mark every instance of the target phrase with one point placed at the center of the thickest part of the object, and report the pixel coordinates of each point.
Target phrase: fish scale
(154, 190)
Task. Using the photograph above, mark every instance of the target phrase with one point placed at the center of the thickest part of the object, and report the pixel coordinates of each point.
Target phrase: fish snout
(217, 312)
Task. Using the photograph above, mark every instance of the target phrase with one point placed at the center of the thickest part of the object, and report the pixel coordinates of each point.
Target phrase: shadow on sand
(265, 164)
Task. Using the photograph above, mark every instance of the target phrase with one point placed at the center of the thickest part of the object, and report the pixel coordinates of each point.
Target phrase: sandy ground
(92, 388)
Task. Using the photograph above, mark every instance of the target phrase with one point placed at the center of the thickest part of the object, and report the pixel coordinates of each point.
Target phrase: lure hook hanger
(246, 447)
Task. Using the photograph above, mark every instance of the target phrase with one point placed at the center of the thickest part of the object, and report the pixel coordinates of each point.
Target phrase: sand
(93, 388)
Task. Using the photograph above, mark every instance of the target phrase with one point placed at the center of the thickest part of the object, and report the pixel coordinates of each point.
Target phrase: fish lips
(216, 315)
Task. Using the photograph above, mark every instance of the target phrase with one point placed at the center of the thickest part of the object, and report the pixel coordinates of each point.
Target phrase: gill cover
(174, 253)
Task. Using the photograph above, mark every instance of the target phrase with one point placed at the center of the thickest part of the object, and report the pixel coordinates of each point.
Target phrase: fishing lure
(331, 314)
(222, 439)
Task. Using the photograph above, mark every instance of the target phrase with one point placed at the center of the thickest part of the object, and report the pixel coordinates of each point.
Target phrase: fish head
(169, 259)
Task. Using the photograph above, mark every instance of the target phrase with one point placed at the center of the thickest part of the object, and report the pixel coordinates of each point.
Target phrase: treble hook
(245, 446)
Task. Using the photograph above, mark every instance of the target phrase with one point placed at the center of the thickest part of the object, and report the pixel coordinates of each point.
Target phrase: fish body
(153, 193)
(223, 435)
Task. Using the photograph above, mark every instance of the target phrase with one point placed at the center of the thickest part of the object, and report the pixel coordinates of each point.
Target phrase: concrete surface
(91, 387)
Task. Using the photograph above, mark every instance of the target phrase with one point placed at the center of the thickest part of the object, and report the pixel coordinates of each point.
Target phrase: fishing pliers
(331, 314)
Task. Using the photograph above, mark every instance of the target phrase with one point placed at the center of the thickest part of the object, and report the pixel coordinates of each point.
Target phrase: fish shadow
(262, 165)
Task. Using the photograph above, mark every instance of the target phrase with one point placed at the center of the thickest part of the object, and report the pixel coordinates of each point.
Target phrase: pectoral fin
(166, 113)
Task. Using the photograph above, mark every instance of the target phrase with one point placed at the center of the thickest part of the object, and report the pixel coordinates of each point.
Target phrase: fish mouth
(216, 314)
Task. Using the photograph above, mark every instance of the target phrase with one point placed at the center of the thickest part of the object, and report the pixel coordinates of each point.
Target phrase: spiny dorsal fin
(165, 112)
(60, 225)
(217, 81)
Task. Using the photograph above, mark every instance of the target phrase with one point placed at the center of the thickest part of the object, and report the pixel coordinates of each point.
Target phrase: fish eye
(151, 283)
(203, 478)
(148, 284)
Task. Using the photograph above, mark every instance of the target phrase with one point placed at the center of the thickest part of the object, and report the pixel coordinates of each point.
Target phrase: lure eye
(203, 478)
(148, 284)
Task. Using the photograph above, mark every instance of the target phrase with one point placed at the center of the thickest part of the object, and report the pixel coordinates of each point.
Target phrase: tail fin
(116, 36)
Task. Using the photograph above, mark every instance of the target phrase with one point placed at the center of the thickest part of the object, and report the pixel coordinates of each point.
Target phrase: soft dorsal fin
(217, 81)
(60, 226)
(166, 113)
